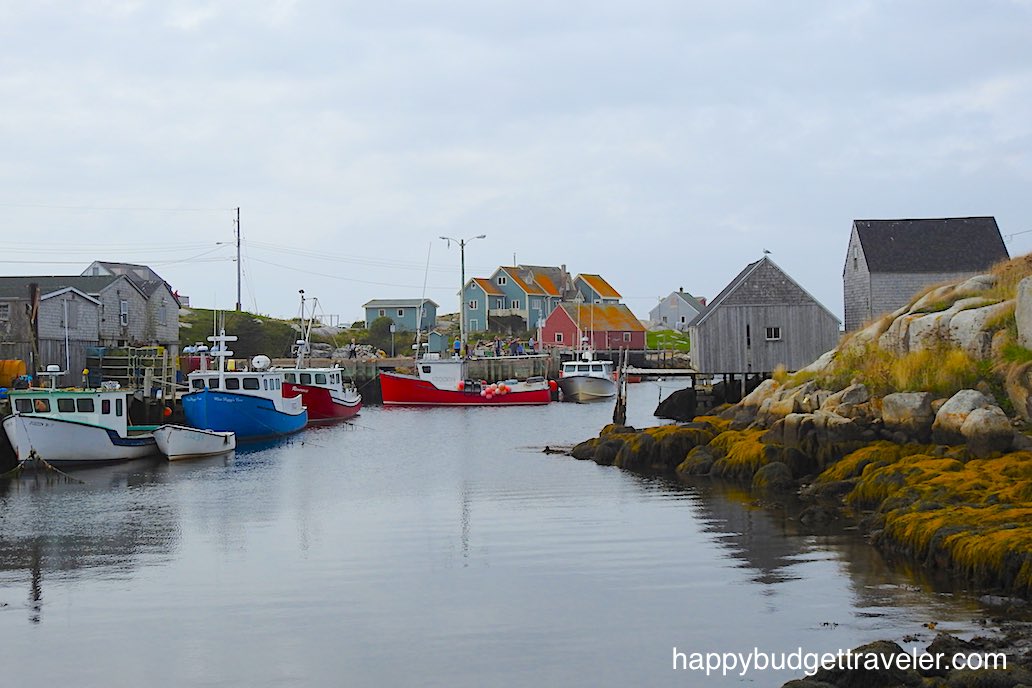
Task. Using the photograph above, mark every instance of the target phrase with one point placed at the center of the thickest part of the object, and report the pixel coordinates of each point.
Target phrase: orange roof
(546, 285)
(514, 274)
(601, 287)
(602, 317)
(489, 288)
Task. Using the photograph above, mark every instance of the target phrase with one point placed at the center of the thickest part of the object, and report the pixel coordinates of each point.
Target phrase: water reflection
(424, 547)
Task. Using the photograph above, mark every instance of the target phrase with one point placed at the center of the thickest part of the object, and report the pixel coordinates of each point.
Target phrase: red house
(607, 326)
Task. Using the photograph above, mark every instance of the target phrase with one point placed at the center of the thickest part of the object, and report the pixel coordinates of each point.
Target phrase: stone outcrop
(1023, 312)
(952, 414)
(908, 413)
(987, 431)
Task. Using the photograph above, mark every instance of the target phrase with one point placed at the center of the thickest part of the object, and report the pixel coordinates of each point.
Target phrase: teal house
(512, 299)
(594, 289)
(407, 314)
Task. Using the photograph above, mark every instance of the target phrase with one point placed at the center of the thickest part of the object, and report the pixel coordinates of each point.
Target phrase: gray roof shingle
(954, 244)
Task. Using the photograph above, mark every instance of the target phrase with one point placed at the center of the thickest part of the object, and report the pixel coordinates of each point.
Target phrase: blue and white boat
(249, 403)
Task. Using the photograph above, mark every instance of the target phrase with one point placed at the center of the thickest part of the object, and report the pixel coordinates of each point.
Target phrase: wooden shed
(762, 319)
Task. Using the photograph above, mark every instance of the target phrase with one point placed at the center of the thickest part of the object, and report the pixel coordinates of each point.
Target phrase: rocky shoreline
(913, 428)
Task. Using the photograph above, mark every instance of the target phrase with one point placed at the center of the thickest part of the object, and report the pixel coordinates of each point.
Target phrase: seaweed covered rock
(675, 441)
(638, 451)
(773, 477)
(586, 449)
(886, 675)
(698, 462)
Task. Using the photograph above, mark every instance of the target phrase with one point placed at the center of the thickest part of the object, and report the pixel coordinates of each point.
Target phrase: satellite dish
(261, 362)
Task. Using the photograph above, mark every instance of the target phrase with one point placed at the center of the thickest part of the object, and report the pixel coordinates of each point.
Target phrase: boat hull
(583, 388)
(249, 417)
(407, 390)
(180, 442)
(324, 405)
(68, 442)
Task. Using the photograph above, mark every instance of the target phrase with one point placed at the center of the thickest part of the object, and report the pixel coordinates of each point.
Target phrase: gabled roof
(398, 303)
(67, 290)
(599, 286)
(690, 300)
(487, 286)
(730, 291)
(519, 281)
(18, 287)
(602, 317)
(954, 244)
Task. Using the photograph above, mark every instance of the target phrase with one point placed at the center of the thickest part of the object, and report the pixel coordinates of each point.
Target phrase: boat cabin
(104, 408)
(445, 373)
(592, 368)
(251, 383)
(319, 377)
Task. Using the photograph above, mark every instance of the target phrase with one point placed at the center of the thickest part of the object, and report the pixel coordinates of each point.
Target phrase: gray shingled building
(888, 261)
(762, 319)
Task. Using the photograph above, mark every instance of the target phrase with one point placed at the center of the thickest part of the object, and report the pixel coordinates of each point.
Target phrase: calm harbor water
(426, 547)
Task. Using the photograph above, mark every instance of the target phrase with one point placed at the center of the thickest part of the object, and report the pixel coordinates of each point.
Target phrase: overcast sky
(660, 144)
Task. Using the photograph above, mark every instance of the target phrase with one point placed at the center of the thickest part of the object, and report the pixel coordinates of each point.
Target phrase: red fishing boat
(443, 382)
(323, 390)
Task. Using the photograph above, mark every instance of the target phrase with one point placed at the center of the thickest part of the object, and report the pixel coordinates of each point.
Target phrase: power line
(345, 279)
(45, 206)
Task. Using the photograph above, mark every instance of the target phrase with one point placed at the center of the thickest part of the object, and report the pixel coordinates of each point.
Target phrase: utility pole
(462, 301)
(238, 258)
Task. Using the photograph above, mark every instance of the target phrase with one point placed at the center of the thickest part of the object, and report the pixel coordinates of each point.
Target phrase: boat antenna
(422, 305)
(301, 344)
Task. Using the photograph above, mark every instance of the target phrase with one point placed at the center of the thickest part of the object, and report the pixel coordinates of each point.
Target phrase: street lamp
(462, 287)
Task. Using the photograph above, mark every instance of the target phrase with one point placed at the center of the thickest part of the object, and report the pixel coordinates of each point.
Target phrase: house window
(123, 312)
(515, 304)
(502, 279)
(162, 315)
(5, 312)
(598, 300)
(682, 319)
(382, 312)
(627, 336)
(474, 325)
(559, 337)
(401, 312)
(499, 303)
(473, 304)
(664, 320)
(773, 334)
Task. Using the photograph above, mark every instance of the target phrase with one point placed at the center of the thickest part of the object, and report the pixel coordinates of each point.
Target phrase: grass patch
(667, 340)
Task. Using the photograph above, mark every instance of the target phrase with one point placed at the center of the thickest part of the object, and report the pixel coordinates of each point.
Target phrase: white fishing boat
(587, 379)
(181, 442)
(75, 426)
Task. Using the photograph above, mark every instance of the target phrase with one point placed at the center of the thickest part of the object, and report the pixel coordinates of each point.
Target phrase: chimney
(701, 299)
(680, 289)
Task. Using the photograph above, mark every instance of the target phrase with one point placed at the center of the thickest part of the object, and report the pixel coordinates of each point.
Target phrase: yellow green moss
(743, 452)
(974, 518)
(877, 454)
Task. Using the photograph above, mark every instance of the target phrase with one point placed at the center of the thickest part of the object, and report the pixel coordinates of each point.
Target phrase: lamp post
(462, 287)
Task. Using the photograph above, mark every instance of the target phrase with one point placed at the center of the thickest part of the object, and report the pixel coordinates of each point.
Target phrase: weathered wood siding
(161, 306)
(719, 345)
(730, 337)
(83, 317)
(112, 332)
(856, 285)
